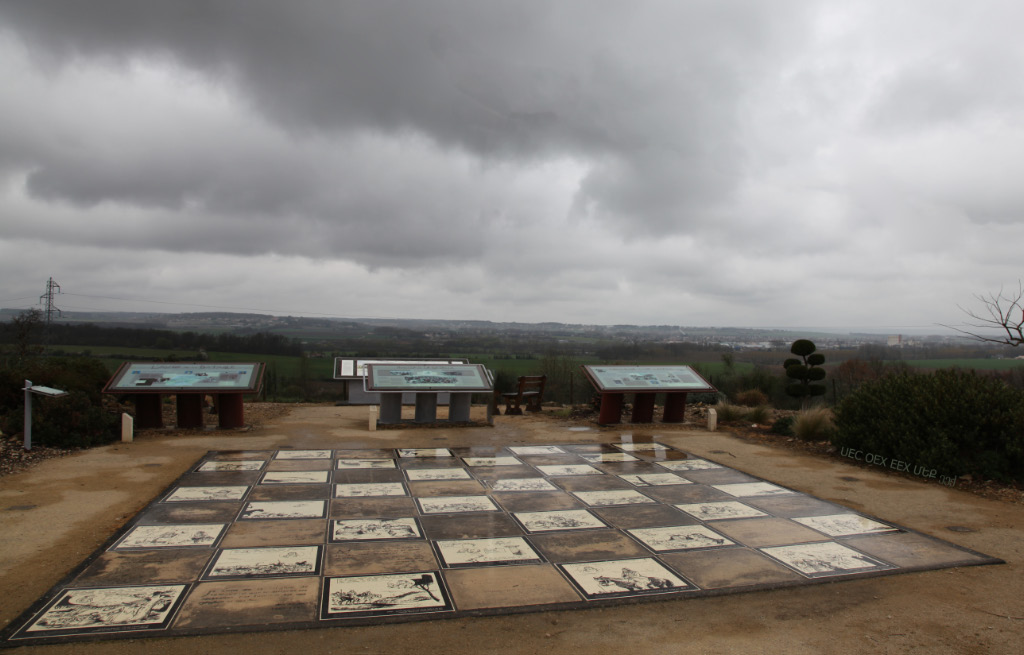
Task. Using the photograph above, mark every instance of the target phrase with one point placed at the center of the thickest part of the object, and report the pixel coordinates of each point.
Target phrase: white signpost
(42, 391)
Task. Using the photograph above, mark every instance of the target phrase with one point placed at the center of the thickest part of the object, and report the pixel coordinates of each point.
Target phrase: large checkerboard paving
(255, 540)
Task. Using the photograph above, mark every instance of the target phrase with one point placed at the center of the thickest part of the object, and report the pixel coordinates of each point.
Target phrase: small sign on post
(42, 391)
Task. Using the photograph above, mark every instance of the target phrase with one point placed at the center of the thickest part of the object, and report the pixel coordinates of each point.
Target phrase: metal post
(28, 415)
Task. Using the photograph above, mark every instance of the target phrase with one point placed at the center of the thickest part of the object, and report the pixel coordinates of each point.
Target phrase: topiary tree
(805, 372)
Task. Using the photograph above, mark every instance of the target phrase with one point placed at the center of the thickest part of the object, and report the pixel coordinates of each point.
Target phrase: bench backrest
(533, 383)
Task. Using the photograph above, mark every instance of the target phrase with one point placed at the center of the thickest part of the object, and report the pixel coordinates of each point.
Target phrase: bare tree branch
(1002, 312)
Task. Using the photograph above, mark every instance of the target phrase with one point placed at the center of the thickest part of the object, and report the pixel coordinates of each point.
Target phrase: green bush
(77, 420)
(955, 422)
(783, 425)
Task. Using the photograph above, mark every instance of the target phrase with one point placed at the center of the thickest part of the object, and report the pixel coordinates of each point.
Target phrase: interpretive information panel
(350, 368)
(136, 377)
(646, 378)
(455, 378)
(258, 540)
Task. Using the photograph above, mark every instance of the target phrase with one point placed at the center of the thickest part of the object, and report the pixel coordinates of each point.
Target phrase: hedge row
(957, 422)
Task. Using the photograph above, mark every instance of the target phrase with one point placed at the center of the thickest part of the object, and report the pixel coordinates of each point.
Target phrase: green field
(285, 366)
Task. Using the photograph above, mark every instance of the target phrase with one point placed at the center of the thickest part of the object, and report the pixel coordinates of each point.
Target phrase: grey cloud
(649, 90)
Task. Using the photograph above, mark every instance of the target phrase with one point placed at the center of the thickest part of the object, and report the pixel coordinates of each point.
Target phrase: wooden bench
(529, 392)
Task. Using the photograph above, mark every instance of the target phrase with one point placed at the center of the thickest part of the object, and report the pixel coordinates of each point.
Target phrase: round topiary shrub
(951, 421)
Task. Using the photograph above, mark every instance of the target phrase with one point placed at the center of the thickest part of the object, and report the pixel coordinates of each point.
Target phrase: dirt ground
(55, 514)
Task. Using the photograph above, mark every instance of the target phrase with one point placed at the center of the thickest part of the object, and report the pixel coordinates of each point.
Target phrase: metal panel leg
(643, 408)
(148, 411)
(390, 408)
(675, 408)
(189, 408)
(458, 407)
(230, 411)
(611, 409)
(426, 408)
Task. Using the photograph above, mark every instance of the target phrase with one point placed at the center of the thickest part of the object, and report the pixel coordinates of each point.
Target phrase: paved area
(74, 510)
(253, 539)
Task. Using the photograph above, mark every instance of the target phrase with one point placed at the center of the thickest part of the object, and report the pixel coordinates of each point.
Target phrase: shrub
(77, 420)
(728, 412)
(751, 398)
(760, 414)
(783, 425)
(953, 421)
(813, 424)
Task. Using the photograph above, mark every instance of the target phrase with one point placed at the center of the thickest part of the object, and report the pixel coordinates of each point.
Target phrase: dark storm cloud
(694, 162)
(646, 91)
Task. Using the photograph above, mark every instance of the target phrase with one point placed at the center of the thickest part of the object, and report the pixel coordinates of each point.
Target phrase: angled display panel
(457, 378)
(632, 379)
(167, 377)
(354, 368)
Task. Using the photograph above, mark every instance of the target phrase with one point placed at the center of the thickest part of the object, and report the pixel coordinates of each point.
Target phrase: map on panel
(646, 378)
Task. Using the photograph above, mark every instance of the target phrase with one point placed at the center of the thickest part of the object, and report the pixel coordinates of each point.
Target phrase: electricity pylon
(47, 299)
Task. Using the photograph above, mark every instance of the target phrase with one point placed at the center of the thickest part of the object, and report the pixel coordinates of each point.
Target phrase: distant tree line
(88, 334)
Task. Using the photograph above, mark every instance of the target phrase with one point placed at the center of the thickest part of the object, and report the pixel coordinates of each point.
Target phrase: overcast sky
(783, 163)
